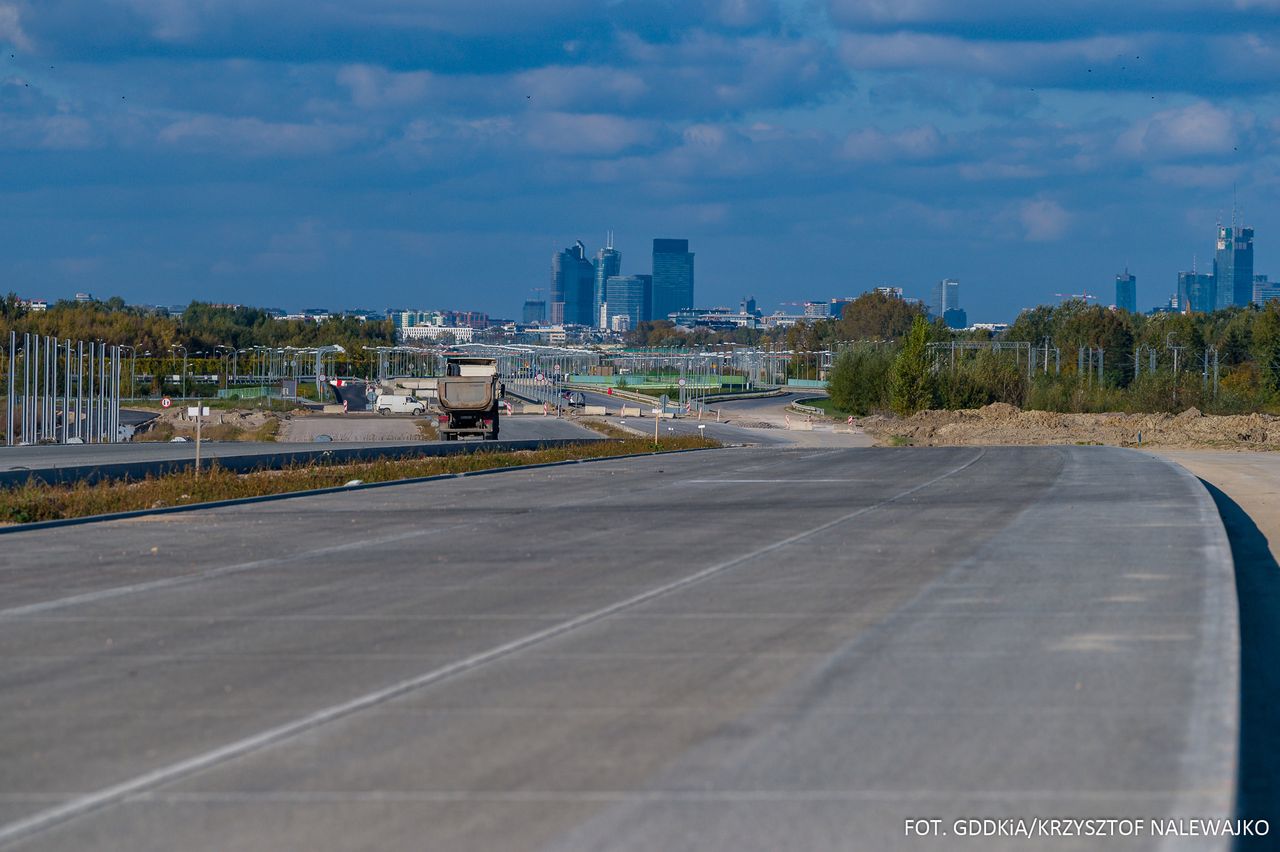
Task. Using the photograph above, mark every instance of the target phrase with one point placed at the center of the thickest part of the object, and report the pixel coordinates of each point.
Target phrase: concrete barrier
(532, 408)
(629, 411)
(597, 410)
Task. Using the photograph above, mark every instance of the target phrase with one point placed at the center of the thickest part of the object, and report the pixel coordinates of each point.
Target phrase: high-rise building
(955, 318)
(1233, 266)
(535, 311)
(1264, 291)
(629, 296)
(608, 263)
(572, 286)
(946, 295)
(672, 277)
(748, 306)
(1127, 292)
(1196, 292)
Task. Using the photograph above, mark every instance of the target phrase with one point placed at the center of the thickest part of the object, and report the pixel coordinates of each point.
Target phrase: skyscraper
(1196, 292)
(1233, 266)
(1264, 291)
(630, 296)
(946, 296)
(672, 277)
(1127, 292)
(608, 263)
(572, 286)
(535, 311)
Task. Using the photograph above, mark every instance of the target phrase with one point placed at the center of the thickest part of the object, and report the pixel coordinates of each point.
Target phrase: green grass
(826, 405)
(37, 502)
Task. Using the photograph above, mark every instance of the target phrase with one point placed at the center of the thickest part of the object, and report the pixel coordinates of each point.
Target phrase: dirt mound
(1006, 424)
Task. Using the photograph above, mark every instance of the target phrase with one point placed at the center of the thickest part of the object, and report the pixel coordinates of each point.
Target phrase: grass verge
(825, 405)
(37, 502)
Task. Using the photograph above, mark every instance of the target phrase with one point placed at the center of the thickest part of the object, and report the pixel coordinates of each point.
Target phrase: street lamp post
(184, 367)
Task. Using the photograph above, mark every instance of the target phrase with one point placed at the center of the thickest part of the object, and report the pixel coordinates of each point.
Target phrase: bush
(859, 380)
(911, 386)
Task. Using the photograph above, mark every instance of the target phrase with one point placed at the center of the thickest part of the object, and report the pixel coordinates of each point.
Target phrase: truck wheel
(418, 412)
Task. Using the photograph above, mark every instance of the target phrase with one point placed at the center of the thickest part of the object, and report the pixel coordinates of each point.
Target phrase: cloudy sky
(434, 153)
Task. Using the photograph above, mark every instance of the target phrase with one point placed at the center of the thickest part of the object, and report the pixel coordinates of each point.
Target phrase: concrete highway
(740, 649)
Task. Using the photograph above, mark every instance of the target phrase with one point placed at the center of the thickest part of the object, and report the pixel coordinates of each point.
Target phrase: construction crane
(1085, 296)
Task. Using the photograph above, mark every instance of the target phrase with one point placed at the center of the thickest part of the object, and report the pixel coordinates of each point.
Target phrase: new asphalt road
(740, 649)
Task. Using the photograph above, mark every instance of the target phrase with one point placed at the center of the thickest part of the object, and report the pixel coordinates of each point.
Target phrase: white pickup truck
(387, 403)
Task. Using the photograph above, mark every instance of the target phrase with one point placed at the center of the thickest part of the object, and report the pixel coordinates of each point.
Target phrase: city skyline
(181, 150)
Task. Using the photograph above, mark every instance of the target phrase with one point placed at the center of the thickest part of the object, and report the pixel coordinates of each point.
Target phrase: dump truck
(468, 395)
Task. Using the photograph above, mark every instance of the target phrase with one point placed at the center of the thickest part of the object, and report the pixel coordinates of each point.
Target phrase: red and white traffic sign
(681, 383)
(166, 402)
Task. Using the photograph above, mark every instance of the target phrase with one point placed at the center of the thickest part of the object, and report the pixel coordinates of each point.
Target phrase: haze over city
(377, 154)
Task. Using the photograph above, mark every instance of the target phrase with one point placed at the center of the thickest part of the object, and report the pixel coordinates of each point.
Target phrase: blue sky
(434, 153)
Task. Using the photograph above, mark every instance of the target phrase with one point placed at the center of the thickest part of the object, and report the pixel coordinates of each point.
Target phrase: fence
(61, 391)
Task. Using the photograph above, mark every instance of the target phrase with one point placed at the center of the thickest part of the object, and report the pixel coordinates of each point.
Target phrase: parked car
(387, 403)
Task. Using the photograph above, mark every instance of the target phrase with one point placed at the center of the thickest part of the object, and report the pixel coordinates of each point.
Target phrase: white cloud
(593, 135)
(1195, 130)
(255, 137)
(11, 27)
(874, 145)
(1043, 220)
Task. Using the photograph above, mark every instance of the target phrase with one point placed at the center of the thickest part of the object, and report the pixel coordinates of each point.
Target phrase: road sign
(681, 383)
(663, 400)
(166, 402)
(198, 411)
(322, 378)
(540, 378)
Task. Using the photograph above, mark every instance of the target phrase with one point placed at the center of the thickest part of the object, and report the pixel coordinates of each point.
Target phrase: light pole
(184, 367)
(133, 363)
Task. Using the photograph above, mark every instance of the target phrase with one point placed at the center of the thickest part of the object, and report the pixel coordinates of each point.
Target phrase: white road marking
(108, 796)
(169, 582)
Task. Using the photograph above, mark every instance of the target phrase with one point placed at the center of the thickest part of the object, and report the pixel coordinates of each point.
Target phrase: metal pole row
(60, 395)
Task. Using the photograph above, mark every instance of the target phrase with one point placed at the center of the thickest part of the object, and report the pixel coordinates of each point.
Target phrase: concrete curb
(1208, 763)
(364, 486)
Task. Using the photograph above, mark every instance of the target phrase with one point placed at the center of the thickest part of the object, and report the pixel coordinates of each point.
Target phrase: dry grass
(427, 429)
(35, 502)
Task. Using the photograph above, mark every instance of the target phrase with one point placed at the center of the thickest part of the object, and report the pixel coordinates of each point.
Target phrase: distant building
(1264, 291)
(85, 297)
(748, 306)
(460, 334)
(817, 310)
(955, 318)
(891, 292)
(1127, 292)
(946, 296)
(993, 327)
(36, 306)
(1233, 266)
(837, 307)
(572, 286)
(535, 311)
(608, 263)
(672, 276)
(1196, 292)
(629, 296)
(716, 319)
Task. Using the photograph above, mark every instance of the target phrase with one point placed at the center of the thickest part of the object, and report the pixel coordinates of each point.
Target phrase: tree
(875, 316)
(859, 380)
(911, 388)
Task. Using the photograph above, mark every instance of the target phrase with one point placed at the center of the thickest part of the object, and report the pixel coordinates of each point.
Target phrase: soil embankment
(1006, 424)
